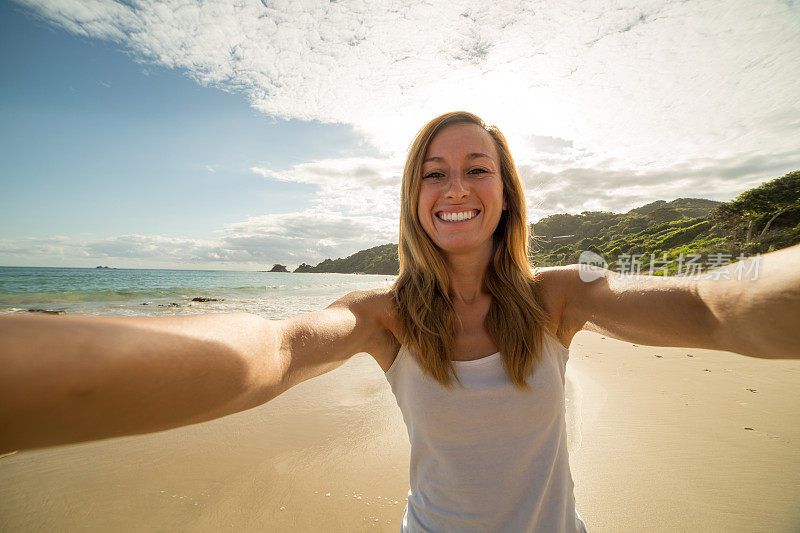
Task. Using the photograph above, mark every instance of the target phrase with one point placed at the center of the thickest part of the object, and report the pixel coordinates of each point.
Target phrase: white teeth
(457, 217)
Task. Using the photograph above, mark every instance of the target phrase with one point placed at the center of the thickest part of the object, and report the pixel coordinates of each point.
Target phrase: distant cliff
(378, 260)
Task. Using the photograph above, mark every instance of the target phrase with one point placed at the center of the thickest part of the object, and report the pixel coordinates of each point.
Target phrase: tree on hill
(278, 268)
(762, 205)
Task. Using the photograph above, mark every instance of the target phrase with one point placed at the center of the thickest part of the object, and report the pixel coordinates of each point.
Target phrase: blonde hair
(422, 291)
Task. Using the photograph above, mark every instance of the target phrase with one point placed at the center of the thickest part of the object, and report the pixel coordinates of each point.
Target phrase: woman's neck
(467, 272)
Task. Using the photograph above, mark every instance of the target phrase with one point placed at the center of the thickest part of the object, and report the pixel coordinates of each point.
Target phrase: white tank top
(487, 457)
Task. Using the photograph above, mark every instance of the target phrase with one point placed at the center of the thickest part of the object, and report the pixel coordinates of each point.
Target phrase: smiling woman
(460, 168)
(472, 341)
(470, 310)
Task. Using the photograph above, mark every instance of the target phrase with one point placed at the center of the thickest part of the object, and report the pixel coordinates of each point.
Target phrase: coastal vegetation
(758, 221)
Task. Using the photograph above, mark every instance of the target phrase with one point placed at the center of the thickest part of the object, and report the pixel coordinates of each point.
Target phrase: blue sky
(96, 145)
(235, 135)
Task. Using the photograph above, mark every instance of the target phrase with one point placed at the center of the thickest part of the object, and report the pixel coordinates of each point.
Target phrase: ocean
(154, 292)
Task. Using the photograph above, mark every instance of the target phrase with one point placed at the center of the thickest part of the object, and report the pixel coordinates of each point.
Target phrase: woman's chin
(462, 246)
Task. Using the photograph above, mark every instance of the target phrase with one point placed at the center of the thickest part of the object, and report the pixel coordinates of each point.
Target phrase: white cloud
(290, 239)
(352, 185)
(605, 187)
(638, 81)
(606, 105)
(311, 235)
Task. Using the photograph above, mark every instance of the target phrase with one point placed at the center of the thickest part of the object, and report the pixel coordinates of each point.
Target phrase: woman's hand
(755, 317)
(73, 379)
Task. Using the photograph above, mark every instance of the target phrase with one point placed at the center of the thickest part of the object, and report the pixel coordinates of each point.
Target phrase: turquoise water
(146, 292)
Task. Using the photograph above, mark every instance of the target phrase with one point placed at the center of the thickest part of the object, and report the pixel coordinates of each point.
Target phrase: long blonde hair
(422, 291)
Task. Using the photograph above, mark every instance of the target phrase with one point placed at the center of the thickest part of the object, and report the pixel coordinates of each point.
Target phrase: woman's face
(461, 191)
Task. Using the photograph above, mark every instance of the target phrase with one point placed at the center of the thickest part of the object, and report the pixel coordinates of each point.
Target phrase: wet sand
(657, 444)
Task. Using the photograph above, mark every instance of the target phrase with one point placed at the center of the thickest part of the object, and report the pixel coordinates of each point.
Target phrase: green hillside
(759, 220)
(378, 260)
(684, 226)
(688, 207)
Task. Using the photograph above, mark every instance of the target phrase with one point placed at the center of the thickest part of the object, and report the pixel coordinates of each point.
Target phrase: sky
(235, 135)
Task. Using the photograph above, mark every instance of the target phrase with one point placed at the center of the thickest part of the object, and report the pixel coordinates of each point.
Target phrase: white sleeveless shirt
(487, 457)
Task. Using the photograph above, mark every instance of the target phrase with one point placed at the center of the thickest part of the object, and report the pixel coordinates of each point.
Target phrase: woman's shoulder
(553, 282)
(375, 299)
(375, 304)
(555, 286)
(567, 281)
(556, 278)
(376, 307)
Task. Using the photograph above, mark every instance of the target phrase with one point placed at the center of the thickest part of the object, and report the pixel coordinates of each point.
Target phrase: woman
(472, 342)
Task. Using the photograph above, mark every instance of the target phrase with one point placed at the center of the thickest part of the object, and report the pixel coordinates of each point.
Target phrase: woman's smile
(458, 216)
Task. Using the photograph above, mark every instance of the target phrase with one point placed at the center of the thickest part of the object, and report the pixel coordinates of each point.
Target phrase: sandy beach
(665, 445)
(661, 439)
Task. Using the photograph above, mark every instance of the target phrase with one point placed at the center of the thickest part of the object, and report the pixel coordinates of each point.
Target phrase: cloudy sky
(238, 134)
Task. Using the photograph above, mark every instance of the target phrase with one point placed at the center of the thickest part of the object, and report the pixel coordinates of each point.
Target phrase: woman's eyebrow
(473, 155)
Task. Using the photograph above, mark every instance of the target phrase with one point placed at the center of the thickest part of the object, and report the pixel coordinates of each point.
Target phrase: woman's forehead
(463, 139)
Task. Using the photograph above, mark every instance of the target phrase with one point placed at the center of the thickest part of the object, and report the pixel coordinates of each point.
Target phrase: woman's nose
(456, 188)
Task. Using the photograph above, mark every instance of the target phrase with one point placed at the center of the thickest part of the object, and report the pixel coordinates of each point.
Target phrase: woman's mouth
(457, 216)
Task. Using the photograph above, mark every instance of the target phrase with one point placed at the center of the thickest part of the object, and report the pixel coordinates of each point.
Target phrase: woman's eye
(434, 175)
(477, 171)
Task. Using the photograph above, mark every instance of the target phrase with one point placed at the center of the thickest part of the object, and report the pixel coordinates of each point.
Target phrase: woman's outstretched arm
(73, 379)
(755, 317)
